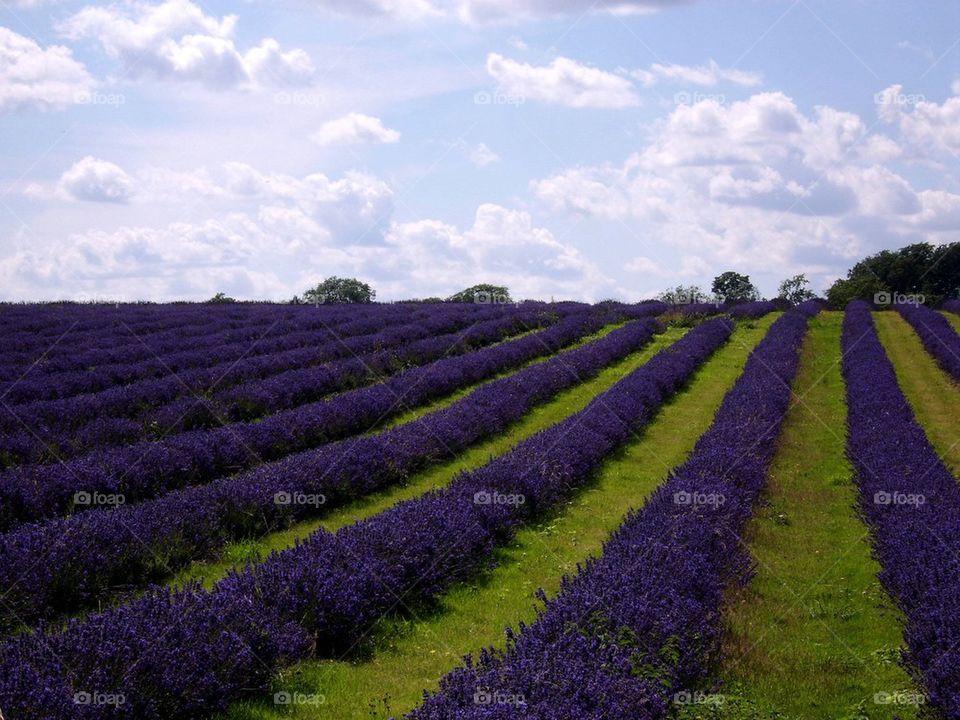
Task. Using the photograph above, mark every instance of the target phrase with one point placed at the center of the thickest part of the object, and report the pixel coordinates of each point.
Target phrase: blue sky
(171, 149)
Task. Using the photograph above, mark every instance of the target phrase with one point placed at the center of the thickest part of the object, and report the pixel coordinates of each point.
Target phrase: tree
(335, 290)
(221, 299)
(732, 287)
(796, 289)
(483, 293)
(683, 295)
(862, 287)
(919, 269)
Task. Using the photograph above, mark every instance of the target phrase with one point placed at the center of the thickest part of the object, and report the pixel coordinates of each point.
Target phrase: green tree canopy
(336, 290)
(795, 289)
(483, 293)
(221, 299)
(683, 294)
(920, 269)
(732, 287)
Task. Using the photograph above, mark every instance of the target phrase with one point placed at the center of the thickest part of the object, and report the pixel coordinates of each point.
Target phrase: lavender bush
(640, 623)
(937, 335)
(149, 469)
(187, 654)
(89, 554)
(911, 502)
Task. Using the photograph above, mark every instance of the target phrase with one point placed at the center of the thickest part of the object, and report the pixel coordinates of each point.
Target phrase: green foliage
(221, 299)
(920, 269)
(483, 293)
(336, 290)
(732, 287)
(683, 294)
(861, 287)
(795, 289)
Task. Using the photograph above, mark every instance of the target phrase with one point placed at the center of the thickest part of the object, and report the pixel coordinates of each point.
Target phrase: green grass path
(565, 403)
(413, 654)
(813, 635)
(953, 318)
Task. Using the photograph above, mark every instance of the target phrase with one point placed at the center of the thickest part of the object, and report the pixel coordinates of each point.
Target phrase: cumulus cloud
(481, 156)
(36, 77)
(94, 180)
(506, 11)
(756, 184)
(405, 10)
(354, 129)
(562, 82)
(502, 243)
(926, 126)
(281, 228)
(175, 40)
(703, 75)
(486, 11)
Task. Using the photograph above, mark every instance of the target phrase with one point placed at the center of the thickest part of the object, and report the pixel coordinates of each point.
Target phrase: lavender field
(479, 510)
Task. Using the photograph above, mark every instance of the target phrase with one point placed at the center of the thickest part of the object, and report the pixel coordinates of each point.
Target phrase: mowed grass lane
(931, 392)
(953, 318)
(412, 654)
(813, 635)
(565, 403)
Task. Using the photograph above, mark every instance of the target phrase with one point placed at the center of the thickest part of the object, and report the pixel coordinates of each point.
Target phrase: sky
(576, 149)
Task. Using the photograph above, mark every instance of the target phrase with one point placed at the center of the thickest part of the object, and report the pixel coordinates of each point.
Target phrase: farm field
(252, 512)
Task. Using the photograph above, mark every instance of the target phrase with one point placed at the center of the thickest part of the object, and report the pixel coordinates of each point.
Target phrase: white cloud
(702, 75)
(278, 231)
(487, 11)
(354, 129)
(506, 11)
(644, 265)
(757, 185)
(36, 77)
(562, 82)
(503, 245)
(927, 127)
(404, 10)
(174, 40)
(481, 156)
(91, 179)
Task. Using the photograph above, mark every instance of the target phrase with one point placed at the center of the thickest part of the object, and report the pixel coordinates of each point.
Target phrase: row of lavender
(149, 469)
(145, 357)
(187, 654)
(912, 503)
(60, 429)
(640, 623)
(115, 345)
(937, 335)
(85, 556)
(121, 338)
